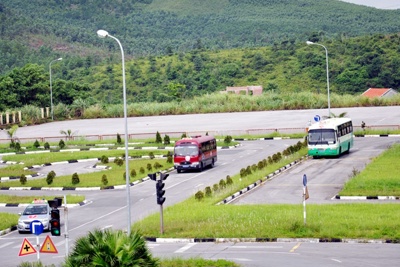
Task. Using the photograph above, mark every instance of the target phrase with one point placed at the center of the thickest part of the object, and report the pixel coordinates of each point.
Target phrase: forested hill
(38, 31)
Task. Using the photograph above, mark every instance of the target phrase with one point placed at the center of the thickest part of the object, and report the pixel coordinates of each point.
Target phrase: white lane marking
(183, 249)
(260, 247)
(106, 227)
(337, 260)
(6, 244)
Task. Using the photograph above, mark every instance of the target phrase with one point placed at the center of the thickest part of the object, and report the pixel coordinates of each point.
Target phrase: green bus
(330, 137)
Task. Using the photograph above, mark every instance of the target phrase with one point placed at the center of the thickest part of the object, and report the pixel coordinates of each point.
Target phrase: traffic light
(152, 176)
(163, 176)
(160, 192)
(55, 225)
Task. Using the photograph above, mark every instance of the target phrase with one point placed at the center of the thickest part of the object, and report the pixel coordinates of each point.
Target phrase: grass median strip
(115, 175)
(380, 178)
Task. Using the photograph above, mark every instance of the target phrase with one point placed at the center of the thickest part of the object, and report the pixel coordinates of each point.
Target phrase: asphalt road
(108, 208)
(326, 176)
(214, 123)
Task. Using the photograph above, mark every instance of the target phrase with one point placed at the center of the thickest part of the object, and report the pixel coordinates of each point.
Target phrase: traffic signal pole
(160, 194)
(66, 226)
(161, 220)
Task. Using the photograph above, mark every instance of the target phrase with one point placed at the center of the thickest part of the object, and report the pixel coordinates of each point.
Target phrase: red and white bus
(195, 153)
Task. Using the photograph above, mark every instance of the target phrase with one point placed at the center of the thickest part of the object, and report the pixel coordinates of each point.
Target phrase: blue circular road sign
(305, 180)
(36, 227)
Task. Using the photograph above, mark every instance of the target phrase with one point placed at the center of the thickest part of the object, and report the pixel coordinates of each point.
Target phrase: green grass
(8, 220)
(115, 175)
(42, 158)
(195, 262)
(193, 219)
(380, 178)
(204, 219)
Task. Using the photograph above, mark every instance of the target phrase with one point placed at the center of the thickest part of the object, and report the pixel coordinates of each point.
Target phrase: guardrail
(260, 131)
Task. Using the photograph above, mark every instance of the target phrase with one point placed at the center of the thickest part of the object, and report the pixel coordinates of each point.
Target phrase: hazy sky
(381, 4)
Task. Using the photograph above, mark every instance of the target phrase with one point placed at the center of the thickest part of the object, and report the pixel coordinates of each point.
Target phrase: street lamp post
(327, 74)
(104, 34)
(51, 90)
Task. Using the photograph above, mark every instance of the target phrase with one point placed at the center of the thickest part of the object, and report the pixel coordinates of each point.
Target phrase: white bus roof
(329, 123)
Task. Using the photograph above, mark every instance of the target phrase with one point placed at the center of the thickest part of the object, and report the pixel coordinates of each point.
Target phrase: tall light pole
(51, 89)
(104, 34)
(327, 74)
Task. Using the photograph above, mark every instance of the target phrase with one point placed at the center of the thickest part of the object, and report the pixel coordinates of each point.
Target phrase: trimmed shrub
(228, 139)
(104, 179)
(119, 161)
(157, 165)
(141, 170)
(270, 161)
(133, 173)
(17, 146)
(260, 165)
(167, 140)
(243, 172)
(119, 140)
(169, 159)
(46, 145)
(50, 177)
(36, 144)
(149, 167)
(22, 179)
(229, 180)
(124, 176)
(199, 195)
(158, 138)
(248, 170)
(222, 184)
(253, 167)
(61, 144)
(215, 187)
(104, 159)
(208, 191)
(75, 178)
(151, 155)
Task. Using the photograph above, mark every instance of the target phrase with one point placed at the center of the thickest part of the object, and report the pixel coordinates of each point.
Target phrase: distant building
(379, 92)
(248, 90)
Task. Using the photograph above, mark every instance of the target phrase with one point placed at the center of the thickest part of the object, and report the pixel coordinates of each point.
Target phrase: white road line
(6, 244)
(183, 249)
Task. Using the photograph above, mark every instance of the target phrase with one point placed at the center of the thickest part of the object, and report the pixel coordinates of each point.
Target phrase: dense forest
(38, 31)
(177, 49)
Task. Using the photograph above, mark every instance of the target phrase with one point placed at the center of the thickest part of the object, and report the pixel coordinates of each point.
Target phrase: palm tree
(68, 134)
(11, 134)
(111, 248)
(341, 115)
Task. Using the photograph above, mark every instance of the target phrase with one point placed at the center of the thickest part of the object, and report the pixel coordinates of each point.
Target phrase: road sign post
(305, 197)
(36, 229)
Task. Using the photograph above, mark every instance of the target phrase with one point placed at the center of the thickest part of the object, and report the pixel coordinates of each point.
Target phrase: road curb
(272, 240)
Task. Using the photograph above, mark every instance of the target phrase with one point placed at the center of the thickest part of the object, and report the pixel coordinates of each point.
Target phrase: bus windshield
(321, 136)
(186, 151)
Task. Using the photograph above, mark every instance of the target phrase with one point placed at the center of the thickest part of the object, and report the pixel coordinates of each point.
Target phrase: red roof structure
(379, 92)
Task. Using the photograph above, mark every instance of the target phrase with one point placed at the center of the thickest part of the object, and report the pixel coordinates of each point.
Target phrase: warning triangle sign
(26, 248)
(48, 246)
